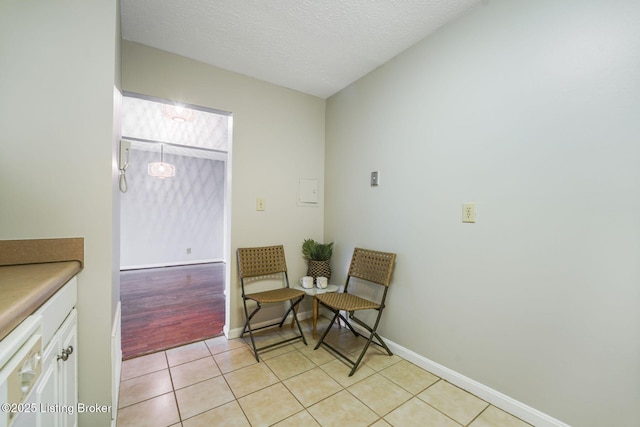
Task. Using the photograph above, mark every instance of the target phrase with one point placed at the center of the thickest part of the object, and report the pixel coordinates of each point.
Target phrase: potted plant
(318, 255)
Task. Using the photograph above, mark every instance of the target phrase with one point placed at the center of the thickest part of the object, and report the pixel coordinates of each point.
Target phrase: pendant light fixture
(161, 169)
(178, 113)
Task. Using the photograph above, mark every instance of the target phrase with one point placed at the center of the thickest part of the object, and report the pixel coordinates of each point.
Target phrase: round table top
(315, 290)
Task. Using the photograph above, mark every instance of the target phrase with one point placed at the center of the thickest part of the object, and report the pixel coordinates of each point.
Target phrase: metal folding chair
(267, 264)
(372, 268)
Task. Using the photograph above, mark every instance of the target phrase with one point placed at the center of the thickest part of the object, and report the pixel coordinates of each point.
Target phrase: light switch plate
(259, 204)
(375, 178)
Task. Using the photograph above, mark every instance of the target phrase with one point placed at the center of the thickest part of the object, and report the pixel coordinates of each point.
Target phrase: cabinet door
(47, 391)
(68, 369)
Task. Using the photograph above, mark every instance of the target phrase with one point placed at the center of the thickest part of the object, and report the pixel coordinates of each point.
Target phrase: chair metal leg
(382, 344)
(247, 326)
(373, 332)
(370, 339)
(348, 325)
(364, 351)
(292, 308)
(295, 318)
(326, 331)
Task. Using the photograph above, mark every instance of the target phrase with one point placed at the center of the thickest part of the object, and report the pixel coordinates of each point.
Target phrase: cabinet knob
(65, 353)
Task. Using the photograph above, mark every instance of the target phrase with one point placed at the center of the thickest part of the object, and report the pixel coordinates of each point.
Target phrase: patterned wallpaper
(151, 120)
(161, 218)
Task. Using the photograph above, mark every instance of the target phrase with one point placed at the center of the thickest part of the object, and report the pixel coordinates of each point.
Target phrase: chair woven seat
(371, 268)
(275, 295)
(347, 302)
(267, 263)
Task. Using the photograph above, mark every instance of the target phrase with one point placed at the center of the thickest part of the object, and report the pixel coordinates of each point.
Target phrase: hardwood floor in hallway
(170, 306)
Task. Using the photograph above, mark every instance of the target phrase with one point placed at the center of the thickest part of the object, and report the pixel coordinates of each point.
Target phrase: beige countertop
(38, 268)
(24, 288)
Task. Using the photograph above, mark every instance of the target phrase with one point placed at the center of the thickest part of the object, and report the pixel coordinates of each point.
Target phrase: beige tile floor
(218, 382)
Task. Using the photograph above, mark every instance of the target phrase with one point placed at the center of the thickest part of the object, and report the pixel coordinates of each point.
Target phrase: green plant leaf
(313, 250)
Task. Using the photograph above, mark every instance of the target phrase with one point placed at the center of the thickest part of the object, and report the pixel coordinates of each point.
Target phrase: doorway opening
(175, 241)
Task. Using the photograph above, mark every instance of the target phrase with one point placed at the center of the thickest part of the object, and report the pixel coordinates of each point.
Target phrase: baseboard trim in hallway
(500, 400)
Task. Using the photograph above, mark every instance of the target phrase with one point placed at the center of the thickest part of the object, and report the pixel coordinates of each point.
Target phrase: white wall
(530, 109)
(278, 138)
(57, 175)
(161, 218)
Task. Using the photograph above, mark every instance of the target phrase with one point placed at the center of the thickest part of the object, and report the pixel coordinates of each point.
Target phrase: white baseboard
(235, 333)
(494, 397)
(169, 264)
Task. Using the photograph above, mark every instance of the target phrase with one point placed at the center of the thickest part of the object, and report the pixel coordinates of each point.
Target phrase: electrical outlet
(469, 212)
(188, 251)
(259, 204)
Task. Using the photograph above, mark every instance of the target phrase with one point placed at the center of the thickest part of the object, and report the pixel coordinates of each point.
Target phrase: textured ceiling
(313, 46)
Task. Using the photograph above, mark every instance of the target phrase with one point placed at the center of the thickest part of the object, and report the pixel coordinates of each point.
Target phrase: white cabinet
(57, 390)
(68, 369)
(48, 389)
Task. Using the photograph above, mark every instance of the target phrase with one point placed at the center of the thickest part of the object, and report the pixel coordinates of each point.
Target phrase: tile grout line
(378, 369)
(382, 417)
(304, 408)
(282, 381)
(222, 374)
(478, 416)
(343, 388)
(447, 415)
(237, 399)
(173, 388)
